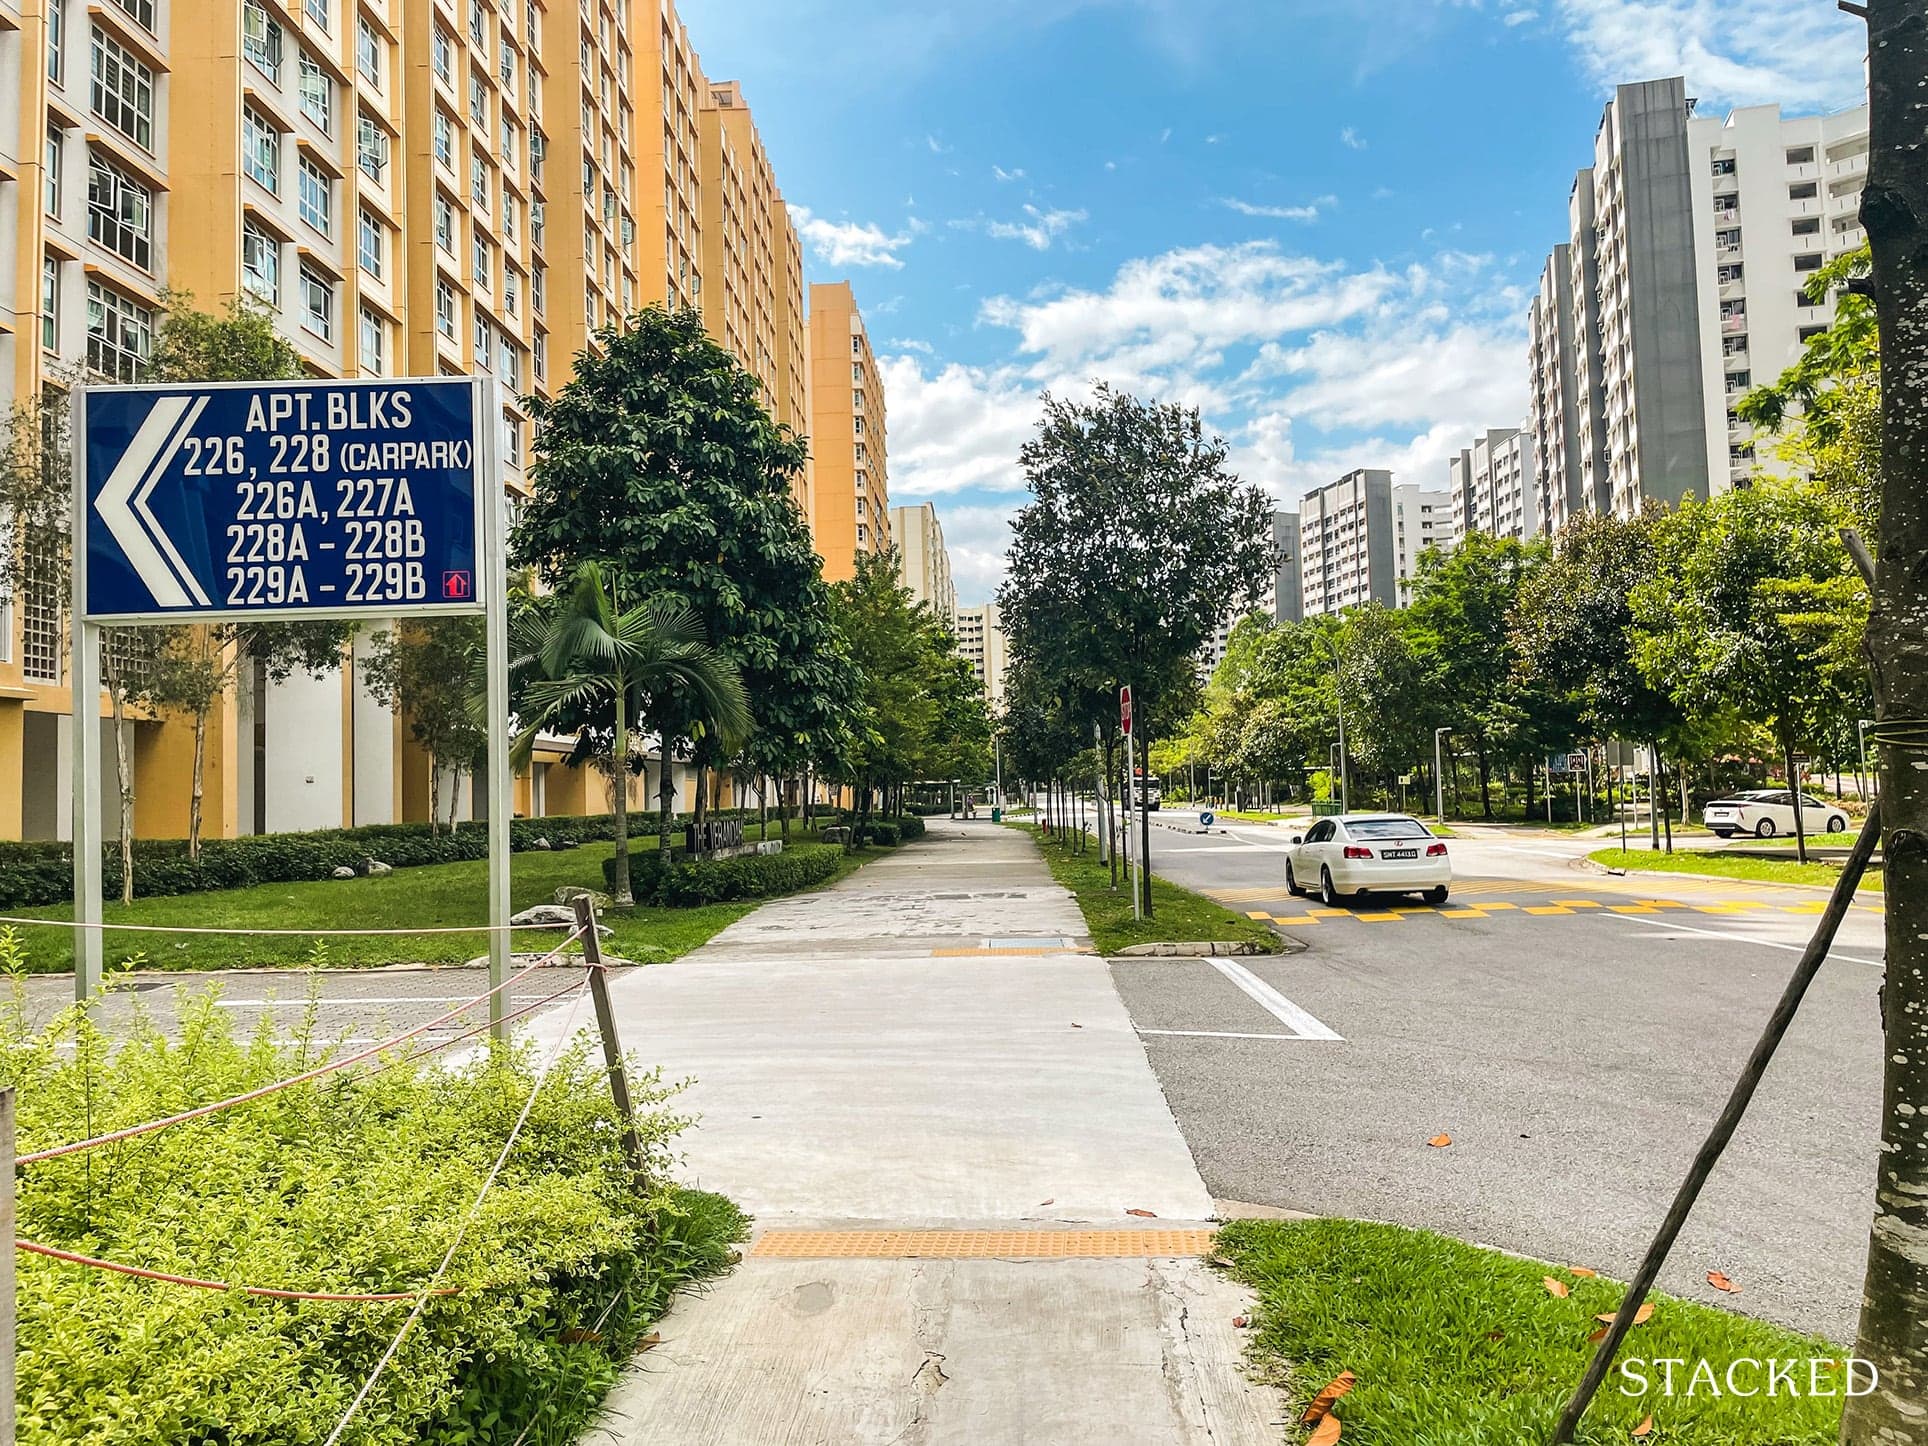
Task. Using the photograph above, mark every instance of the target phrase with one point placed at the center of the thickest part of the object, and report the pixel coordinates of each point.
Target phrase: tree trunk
(434, 794)
(1894, 209)
(1686, 794)
(620, 893)
(111, 675)
(197, 787)
(1663, 797)
(1794, 786)
(665, 802)
(1485, 781)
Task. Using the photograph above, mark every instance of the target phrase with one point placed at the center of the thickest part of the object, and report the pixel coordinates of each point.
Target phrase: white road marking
(1670, 927)
(1218, 1034)
(1303, 1025)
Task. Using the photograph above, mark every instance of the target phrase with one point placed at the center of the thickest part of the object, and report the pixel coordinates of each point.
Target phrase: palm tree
(582, 664)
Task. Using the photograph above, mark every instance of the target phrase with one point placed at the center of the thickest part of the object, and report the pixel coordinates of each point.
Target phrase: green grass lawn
(1732, 866)
(1458, 1346)
(1178, 915)
(427, 897)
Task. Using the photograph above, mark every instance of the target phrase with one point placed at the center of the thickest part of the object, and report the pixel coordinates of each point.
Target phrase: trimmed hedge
(34, 873)
(684, 883)
(910, 826)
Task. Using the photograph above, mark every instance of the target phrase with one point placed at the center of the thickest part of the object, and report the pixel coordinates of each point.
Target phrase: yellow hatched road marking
(1332, 913)
(1464, 914)
(1578, 903)
(977, 1244)
(1545, 909)
(1499, 906)
(1377, 918)
(1257, 914)
(1632, 909)
(1293, 919)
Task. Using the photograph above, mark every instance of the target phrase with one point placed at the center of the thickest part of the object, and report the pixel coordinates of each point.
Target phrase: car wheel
(1723, 833)
(1437, 894)
(1292, 882)
(1837, 823)
(1332, 898)
(1764, 829)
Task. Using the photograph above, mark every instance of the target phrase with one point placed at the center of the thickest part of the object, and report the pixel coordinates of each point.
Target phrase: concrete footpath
(976, 1219)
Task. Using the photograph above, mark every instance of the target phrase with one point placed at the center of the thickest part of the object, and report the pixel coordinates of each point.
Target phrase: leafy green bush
(910, 826)
(34, 873)
(884, 835)
(684, 883)
(355, 1183)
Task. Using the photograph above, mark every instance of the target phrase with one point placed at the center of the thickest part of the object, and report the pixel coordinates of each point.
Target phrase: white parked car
(1368, 853)
(1765, 812)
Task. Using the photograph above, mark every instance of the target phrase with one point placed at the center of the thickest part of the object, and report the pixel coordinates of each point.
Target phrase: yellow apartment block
(411, 187)
(850, 500)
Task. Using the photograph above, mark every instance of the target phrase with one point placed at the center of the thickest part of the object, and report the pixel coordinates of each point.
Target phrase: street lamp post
(1439, 778)
(1339, 702)
(1861, 731)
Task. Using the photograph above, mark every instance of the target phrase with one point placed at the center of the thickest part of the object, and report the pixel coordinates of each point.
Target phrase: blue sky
(1318, 220)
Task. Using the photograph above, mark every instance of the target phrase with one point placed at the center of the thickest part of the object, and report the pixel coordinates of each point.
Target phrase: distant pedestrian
(970, 805)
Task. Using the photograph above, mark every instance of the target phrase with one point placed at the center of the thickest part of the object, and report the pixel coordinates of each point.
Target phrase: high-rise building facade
(923, 562)
(1690, 240)
(408, 187)
(980, 638)
(1288, 587)
(850, 498)
(1346, 552)
(1422, 519)
(1490, 486)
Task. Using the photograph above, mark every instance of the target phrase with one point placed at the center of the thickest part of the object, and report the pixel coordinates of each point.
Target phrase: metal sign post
(1133, 796)
(281, 501)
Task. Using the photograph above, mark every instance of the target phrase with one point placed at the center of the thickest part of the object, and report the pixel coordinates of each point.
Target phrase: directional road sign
(283, 499)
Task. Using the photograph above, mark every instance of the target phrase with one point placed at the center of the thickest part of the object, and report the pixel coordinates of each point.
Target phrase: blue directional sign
(283, 499)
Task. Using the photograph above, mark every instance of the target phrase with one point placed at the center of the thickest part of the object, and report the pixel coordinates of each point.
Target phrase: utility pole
(1439, 778)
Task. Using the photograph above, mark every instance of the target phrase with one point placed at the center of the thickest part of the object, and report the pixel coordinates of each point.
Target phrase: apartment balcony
(1806, 171)
(1727, 253)
(1733, 326)
(1734, 361)
(1845, 202)
(1728, 185)
(1856, 165)
(1733, 290)
(1729, 217)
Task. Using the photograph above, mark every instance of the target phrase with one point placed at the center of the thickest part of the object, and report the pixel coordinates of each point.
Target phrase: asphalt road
(1574, 1034)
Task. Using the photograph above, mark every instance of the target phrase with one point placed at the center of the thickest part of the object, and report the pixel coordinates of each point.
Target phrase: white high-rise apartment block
(923, 562)
(1678, 290)
(1420, 519)
(1360, 539)
(980, 638)
(1491, 486)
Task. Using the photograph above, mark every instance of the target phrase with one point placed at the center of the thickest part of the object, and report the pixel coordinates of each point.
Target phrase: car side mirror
(1298, 838)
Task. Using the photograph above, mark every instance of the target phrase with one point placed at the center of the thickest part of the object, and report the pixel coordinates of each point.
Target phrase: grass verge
(1178, 915)
(356, 1183)
(1458, 1346)
(433, 895)
(1732, 866)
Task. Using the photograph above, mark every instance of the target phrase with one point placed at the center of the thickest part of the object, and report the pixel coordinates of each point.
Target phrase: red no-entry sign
(1124, 709)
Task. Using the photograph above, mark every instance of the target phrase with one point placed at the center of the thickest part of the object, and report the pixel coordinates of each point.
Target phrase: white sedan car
(1765, 812)
(1368, 853)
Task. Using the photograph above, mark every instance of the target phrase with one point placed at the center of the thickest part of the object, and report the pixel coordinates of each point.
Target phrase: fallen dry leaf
(1052, 1201)
(654, 1338)
(1440, 1142)
(1581, 1271)
(1720, 1282)
(1597, 1336)
(576, 1336)
(1221, 1262)
(1322, 1403)
(1496, 1335)
(1640, 1317)
(1554, 1287)
(1327, 1432)
(1645, 1428)
(1240, 1322)
(1143, 1214)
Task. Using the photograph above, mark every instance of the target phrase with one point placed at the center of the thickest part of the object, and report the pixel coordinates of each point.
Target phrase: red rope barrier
(74, 1258)
(131, 1131)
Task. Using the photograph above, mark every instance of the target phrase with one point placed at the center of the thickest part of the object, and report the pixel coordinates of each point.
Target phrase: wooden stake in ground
(1894, 210)
(612, 1046)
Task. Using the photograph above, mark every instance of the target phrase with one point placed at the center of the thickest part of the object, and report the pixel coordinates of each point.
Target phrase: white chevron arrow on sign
(122, 503)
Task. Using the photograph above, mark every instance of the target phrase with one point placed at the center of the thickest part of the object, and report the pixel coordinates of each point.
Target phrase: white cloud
(1352, 139)
(1801, 53)
(1519, 17)
(938, 148)
(1039, 230)
(1308, 212)
(850, 243)
(956, 428)
(1012, 175)
(976, 537)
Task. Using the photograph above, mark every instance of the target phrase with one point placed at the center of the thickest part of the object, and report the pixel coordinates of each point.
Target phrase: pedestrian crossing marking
(1499, 906)
(1332, 913)
(1298, 919)
(1392, 918)
(1257, 914)
(1578, 903)
(1545, 909)
(1464, 914)
(1631, 909)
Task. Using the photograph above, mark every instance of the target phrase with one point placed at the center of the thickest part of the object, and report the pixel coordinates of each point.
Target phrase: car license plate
(1399, 853)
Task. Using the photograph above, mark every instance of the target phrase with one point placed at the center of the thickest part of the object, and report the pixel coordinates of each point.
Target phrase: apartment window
(317, 11)
(505, 71)
(53, 173)
(261, 150)
(1803, 191)
(512, 439)
(857, 401)
(445, 308)
(56, 40)
(1739, 381)
(122, 92)
(444, 224)
(261, 40)
(374, 341)
(511, 141)
(49, 303)
(1810, 262)
(538, 148)
(317, 94)
(1729, 273)
(444, 129)
(484, 342)
(120, 213)
(531, 27)
(538, 215)
(317, 303)
(508, 364)
(1807, 226)
(479, 262)
(1724, 166)
(1808, 333)
(371, 149)
(1800, 155)
(1727, 240)
(540, 355)
(539, 289)
(508, 217)
(368, 51)
(477, 22)
(479, 184)
(141, 11)
(316, 197)
(478, 104)
(511, 293)
(442, 56)
(856, 346)
(120, 334)
(261, 263)
(372, 247)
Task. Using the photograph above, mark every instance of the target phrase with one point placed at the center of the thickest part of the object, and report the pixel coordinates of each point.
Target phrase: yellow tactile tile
(977, 1244)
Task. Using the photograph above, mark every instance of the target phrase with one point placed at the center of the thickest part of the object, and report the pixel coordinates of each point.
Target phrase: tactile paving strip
(978, 1244)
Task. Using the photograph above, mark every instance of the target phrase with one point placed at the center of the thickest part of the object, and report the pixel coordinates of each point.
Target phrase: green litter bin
(997, 813)
(1326, 810)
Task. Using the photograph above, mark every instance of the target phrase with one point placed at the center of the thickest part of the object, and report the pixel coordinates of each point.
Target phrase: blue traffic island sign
(283, 499)
(1207, 819)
